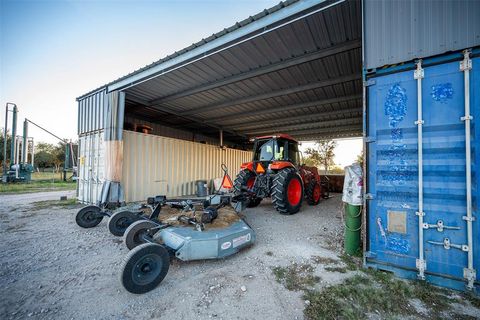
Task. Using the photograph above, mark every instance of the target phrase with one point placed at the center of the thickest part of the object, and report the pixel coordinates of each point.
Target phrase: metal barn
(314, 69)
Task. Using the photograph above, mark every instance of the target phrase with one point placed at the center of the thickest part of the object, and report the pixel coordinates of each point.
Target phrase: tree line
(47, 155)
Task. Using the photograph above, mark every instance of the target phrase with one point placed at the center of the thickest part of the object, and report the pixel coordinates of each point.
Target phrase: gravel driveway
(51, 268)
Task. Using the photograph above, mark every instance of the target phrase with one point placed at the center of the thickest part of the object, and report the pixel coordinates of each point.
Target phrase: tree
(323, 154)
(359, 159)
(9, 141)
(44, 155)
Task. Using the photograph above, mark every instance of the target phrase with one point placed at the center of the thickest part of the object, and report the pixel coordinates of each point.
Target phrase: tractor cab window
(268, 150)
(293, 153)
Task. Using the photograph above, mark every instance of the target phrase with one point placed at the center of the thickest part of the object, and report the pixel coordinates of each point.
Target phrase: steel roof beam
(290, 107)
(260, 124)
(261, 71)
(352, 134)
(272, 94)
(332, 130)
(308, 125)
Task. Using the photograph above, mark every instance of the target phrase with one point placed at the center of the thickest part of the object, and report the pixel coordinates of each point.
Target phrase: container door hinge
(368, 83)
(470, 275)
(369, 196)
(370, 139)
(448, 245)
(421, 267)
(466, 218)
(467, 117)
(440, 226)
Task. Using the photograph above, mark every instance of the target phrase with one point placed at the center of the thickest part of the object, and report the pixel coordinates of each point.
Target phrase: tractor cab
(276, 148)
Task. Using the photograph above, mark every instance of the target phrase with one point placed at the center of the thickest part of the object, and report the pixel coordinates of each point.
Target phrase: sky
(54, 51)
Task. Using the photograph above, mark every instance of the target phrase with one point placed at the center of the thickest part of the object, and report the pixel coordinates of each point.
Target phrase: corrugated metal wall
(399, 31)
(91, 110)
(154, 165)
(91, 167)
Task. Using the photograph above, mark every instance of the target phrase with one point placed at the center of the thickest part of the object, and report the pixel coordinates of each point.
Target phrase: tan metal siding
(91, 167)
(154, 165)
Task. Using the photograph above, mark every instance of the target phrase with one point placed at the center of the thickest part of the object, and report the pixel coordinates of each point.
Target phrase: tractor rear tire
(246, 178)
(120, 221)
(144, 268)
(313, 193)
(287, 191)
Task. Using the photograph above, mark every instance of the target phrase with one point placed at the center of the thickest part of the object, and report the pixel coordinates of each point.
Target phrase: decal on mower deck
(226, 245)
(241, 240)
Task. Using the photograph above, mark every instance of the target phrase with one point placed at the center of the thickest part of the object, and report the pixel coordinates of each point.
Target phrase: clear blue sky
(54, 51)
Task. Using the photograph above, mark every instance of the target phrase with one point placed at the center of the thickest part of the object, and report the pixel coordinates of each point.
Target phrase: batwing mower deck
(189, 229)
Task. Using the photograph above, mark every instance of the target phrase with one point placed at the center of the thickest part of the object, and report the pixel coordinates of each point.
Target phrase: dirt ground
(52, 269)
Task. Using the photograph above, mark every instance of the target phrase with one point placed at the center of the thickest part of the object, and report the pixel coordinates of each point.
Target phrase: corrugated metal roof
(303, 76)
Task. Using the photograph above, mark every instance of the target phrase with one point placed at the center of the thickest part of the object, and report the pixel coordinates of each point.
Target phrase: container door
(91, 167)
(395, 235)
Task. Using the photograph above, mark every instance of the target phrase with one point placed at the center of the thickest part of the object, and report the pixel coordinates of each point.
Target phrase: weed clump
(296, 276)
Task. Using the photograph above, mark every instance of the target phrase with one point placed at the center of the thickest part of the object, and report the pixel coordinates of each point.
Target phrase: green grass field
(41, 181)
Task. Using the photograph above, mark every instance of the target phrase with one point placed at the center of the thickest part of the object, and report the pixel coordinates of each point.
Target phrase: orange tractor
(276, 171)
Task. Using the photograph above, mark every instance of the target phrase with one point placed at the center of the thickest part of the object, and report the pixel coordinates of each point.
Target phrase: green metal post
(14, 133)
(353, 226)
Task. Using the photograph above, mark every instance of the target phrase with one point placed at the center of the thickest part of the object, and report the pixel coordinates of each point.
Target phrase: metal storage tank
(423, 170)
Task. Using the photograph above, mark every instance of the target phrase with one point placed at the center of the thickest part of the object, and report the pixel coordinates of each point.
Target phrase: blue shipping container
(436, 245)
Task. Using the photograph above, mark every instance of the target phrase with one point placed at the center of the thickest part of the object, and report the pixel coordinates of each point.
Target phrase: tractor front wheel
(287, 192)
(313, 193)
(246, 178)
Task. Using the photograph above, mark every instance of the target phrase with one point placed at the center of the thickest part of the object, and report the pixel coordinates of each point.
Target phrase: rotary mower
(188, 229)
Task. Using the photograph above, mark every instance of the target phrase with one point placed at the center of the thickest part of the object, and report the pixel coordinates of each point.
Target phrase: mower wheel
(287, 191)
(246, 178)
(313, 193)
(120, 221)
(135, 233)
(144, 268)
(89, 217)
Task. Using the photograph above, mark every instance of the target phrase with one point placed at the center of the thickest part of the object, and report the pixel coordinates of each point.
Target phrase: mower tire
(246, 178)
(287, 191)
(135, 233)
(89, 217)
(144, 268)
(120, 221)
(313, 193)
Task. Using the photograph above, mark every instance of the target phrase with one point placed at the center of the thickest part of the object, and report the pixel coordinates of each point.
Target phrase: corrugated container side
(154, 165)
(91, 167)
(394, 226)
(91, 111)
(398, 31)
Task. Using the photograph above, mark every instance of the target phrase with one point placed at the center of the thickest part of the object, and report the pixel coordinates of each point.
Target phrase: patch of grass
(474, 300)
(352, 263)
(69, 203)
(37, 186)
(296, 276)
(269, 253)
(323, 260)
(380, 293)
(336, 269)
